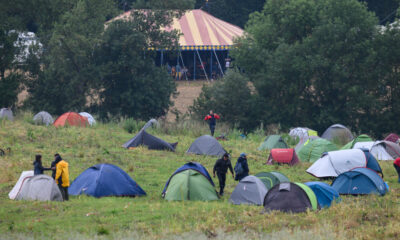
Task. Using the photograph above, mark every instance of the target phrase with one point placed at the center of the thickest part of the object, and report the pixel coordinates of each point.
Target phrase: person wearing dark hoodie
(38, 167)
(221, 168)
(61, 175)
(241, 167)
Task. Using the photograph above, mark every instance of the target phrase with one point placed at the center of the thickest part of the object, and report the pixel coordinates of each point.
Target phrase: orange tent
(71, 119)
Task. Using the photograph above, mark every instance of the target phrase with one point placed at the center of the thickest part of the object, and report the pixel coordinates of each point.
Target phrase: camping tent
(39, 187)
(312, 149)
(104, 180)
(283, 156)
(325, 194)
(24, 175)
(6, 113)
(273, 141)
(43, 118)
(338, 132)
(206, 145)
(290, 197)
(71, 119)
(361, 138)
(151, 123)
(190, 182)
(392, 138)
(270, 179)
(381, 150)
(152, 142)
(332, 164)
(303, 141)
(301, 133)
(250, 190)
(360, 181)
(89, 117)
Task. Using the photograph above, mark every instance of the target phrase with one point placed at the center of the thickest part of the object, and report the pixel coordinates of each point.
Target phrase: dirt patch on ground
(188, 91)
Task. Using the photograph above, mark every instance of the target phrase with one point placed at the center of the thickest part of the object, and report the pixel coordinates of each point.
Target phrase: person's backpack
(238, 168)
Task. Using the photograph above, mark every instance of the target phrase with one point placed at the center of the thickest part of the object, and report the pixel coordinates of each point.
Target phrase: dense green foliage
(315, 63)
(151, 217)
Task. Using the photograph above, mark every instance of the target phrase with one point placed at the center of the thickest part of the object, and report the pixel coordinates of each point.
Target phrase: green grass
(151, 217)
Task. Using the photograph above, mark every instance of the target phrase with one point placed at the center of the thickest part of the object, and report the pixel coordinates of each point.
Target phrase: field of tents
(110, 154)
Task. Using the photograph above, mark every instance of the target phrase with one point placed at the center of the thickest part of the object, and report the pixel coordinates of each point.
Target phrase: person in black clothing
(37, 164)
(221, 167)
(57, 159)
(211, 118)
(245, 168)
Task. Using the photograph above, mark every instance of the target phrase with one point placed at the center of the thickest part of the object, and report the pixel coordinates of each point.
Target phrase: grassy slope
(368, 217)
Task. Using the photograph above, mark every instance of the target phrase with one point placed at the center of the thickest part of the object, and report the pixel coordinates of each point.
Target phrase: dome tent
(360, 181)
(290, 197)
(17, 187)
(250, 190)
(39, 187)
(206, 145)
(190, 182)
(71, 119)
(6, 113)
(89, 117)
(381, 150)
(325, 194)
(314, 148)
(104, 180)
(361, 138)
(331, 164)
(43, 118)
(301, 133)
(393, 137)
(270, 179)
(273, 141)
(338, 132)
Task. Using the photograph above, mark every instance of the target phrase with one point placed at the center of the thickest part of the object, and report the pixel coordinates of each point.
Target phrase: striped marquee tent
(201, 32)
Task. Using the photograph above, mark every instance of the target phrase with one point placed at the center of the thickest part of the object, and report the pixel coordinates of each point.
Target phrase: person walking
(396, 165)
(241, 167)
(62, 176)
(212, 121)
(38, 167)
(221, 168)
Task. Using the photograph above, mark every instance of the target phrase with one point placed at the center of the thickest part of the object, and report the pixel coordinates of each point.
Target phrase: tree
(384, 10)
(313, 63)
(129, 83)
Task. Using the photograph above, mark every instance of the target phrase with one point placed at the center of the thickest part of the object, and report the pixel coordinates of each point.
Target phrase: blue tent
(191, 165)
(360, 181)
(325, 193)
(105, 180)
(372, 163)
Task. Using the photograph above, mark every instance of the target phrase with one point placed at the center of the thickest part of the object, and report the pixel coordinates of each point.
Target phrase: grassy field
(151, 217)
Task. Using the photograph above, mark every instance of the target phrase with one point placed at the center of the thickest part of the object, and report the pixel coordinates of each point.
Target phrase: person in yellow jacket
(62, 176)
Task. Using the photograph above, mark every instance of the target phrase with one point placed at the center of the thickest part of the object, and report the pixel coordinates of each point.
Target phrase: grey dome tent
(206, 145)
(338, 132)
(152, 142)
(151, 123)
(250, 190)
(43, 118)
(89, 117)
(6, 113)
(40, 187)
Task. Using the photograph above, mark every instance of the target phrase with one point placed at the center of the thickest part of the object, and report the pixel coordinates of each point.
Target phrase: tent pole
(194, 65)
(211, 65)
(162, 57)
(220, 68)
(202, 66)
(183, 63)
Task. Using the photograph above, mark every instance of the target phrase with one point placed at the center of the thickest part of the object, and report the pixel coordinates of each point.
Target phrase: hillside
(151, 217)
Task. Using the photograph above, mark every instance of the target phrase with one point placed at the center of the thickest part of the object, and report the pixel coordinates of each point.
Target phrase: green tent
(312, 149)
(270, 179)
(310, 194)
(190, 185)
(361, 138)
(273, 141)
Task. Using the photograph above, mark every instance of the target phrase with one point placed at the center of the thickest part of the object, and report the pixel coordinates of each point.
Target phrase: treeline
(312, 63)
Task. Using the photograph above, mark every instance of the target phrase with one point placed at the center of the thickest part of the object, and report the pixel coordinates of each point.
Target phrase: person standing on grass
(62, 176)
(221, 168)
(241, 167)
(38, 167)
(212, 121)
(396, 165)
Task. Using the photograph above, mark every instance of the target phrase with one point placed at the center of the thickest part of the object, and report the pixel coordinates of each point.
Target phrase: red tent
(71, 119)
(283, 156)
(392, 138)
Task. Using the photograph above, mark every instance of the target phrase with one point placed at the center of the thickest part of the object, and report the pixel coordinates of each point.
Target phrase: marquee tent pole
(183, 64)
(220, 68)
(202, 66)
(194, 65)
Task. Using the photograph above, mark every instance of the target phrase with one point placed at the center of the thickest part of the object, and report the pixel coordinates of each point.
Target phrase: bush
(131, 125)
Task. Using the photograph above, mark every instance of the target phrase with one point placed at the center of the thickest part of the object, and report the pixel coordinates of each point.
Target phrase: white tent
(301, 133)
(6, 113)
(381, 150)
(89, 117)
(40, 187)
(334, 163)
(24, 175)
(43, 118)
